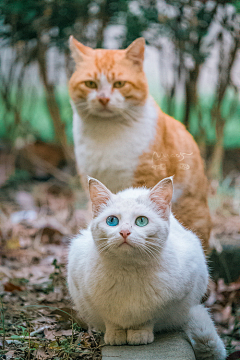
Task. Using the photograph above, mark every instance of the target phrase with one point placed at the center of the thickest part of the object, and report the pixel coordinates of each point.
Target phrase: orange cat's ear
(78, 50)
(135, 51)
(99, 195)
(161, 195)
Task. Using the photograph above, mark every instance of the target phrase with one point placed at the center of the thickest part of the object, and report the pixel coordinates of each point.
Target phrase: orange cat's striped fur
(123, 138)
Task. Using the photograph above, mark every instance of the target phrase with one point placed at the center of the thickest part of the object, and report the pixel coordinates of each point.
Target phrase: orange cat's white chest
(109, 149)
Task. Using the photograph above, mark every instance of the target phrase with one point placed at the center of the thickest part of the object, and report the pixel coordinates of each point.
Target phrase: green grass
(35, 116)
(37, 121)
(232, 127)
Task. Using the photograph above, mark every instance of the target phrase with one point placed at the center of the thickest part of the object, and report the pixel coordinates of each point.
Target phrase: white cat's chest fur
(109, 149)
(125, 284)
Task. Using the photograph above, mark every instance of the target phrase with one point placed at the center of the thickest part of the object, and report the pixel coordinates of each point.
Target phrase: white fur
(108, 145)
(155, 282)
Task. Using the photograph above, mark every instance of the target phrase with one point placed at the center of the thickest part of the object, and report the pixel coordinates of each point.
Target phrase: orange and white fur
(123, 138)
(137, 270)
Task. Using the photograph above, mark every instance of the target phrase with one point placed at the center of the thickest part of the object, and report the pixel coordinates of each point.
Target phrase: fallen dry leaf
(10, 354)
(40, 354)
(49, 334)
(4, 271)
(12, 244)
(10, 287)
(52, 334)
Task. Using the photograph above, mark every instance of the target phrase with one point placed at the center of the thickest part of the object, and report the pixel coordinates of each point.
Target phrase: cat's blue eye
(141, 221)
(112, 220)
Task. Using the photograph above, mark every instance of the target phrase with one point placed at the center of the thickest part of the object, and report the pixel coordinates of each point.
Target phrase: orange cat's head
(108, 82)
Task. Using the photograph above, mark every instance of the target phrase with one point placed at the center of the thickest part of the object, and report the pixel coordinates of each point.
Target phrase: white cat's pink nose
(125, 233)
(103, 100)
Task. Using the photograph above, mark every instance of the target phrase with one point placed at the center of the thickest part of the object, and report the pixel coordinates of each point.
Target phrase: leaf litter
(37, 318)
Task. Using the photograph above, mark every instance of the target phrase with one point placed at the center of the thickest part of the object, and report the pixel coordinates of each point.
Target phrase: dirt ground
(37, 221)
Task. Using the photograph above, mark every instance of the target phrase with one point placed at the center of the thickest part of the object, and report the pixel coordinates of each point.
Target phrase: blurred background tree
(35, 36)
(33, 26)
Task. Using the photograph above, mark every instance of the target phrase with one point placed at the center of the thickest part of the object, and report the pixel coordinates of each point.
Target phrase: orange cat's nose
(103, 100)
(125, 233)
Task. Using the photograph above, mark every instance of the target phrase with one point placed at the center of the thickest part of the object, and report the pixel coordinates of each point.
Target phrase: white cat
(137, 270)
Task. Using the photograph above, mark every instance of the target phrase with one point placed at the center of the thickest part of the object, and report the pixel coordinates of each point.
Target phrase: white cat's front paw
(139, 337)
(115, 337)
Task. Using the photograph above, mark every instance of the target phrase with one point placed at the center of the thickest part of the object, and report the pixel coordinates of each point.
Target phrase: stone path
(165, 347)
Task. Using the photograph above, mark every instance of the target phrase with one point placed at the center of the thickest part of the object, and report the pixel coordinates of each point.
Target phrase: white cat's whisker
(143, 249)
(151, 250)
(105, 247)
(153, 241)
(150, 253)
(155, 252)
(154, 246)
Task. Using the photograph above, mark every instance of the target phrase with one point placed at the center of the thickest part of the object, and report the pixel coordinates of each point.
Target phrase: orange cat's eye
(91, 84)
(119, 84)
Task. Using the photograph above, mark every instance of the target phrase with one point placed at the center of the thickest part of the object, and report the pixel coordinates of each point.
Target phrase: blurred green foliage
(41, 127)
(27, 20)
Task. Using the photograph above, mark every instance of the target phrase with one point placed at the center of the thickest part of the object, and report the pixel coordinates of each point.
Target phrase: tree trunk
(191, 94)
(53, 107)
(170, 95)
(215, 168)
(215, 165)
(104, 18)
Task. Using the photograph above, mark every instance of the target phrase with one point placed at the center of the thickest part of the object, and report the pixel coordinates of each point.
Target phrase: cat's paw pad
(139, 337)
(115, 337)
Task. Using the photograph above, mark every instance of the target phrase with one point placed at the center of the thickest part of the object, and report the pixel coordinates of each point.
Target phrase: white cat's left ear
(135, 51)
(161, 195)
(99, 195)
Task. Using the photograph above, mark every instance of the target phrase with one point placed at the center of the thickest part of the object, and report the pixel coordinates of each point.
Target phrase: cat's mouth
(125, 244)
(105, 111)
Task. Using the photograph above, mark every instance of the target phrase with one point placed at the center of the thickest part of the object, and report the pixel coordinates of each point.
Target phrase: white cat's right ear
(99, 195)
(161, 195)
(78, 50)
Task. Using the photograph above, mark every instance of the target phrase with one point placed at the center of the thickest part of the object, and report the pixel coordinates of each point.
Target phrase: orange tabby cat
(123, 138)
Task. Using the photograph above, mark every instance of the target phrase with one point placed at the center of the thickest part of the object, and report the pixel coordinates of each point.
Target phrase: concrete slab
(168, 346)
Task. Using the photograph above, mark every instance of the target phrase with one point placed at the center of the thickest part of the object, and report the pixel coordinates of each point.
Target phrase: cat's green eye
(119, 84)
(91, 84)
(112, 220)
(141, 221)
